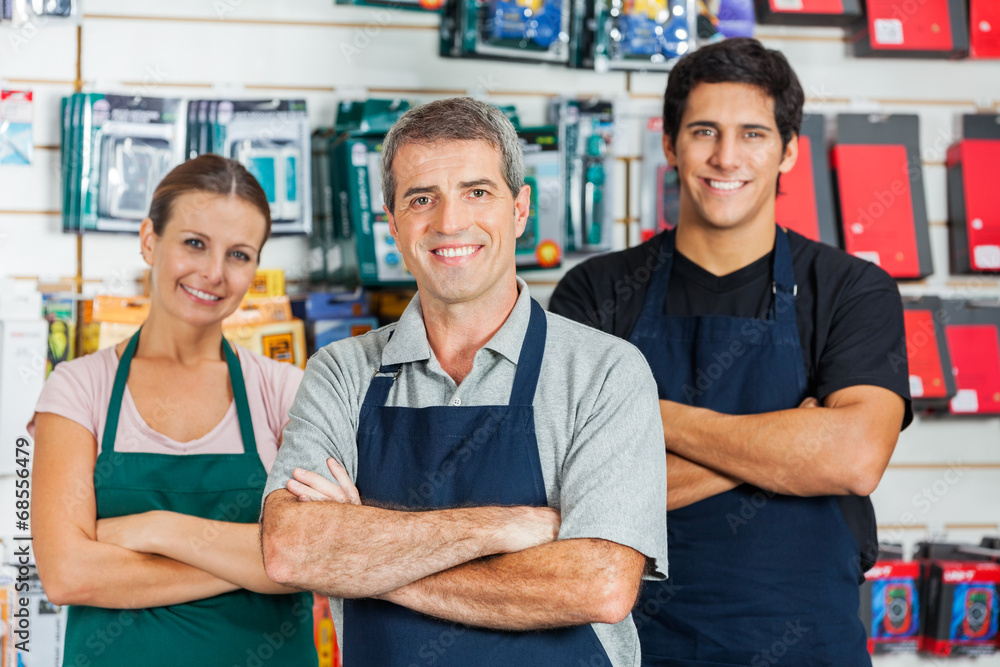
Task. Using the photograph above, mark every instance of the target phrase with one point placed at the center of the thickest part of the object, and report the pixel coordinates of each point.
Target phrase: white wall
(271, 48)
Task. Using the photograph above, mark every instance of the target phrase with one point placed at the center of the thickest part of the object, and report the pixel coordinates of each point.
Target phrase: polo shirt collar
(409, 340)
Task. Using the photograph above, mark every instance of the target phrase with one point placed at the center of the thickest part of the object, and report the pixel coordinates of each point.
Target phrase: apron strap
(117, 392)
(235, 381)
(529, 365)
(783, 280)
(382, 380)
(529, 362)
(240, 398)
(659, 282)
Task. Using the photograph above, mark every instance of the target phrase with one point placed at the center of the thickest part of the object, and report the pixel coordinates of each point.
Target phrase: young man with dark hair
(779, 402)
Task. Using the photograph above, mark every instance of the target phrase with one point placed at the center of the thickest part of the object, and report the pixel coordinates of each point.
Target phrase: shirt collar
(409, 340)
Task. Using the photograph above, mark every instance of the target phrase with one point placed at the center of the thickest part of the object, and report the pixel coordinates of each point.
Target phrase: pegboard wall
(945, 475)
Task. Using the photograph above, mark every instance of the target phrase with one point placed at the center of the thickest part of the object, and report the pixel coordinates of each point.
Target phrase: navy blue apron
(440, 457)
(755, 578)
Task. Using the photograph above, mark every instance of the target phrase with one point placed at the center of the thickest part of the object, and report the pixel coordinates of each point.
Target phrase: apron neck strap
(783, 279)
(659, 282)
(529, 364)
(240, 398)
(235, 380)
(117, 392)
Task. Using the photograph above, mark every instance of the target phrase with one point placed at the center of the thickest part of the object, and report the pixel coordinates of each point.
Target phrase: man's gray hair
(453, 119)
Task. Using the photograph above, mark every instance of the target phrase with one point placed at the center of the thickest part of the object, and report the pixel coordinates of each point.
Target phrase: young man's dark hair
(738, 60)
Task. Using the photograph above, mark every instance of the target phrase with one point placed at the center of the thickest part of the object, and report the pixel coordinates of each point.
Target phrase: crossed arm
(492, 567)
(841, 447)
(130, 562)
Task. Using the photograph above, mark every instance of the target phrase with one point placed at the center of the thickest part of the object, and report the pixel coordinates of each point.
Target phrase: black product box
(962, 614)
(973, 333)
(973, 198)
(912, 29)
(879, 192)
(890, 606)
(984, 22)
(932, 384)
(805, 204)
(808, 12)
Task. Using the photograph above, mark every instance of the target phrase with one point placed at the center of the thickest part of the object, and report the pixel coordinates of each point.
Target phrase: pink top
(80, 390)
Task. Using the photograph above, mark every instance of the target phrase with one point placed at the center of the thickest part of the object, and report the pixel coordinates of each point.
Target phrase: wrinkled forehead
(437, 162)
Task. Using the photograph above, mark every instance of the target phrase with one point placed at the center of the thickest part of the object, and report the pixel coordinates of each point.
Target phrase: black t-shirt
(848, 311)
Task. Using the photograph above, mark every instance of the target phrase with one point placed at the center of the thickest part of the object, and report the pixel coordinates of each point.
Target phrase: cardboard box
(261, 310)
(984, 29)
(808, 12)
(805, 203)
(281, 341)
(890, 606)
(932, 384)
(120, 309)
(267, 283)
(878, 176)
(112, 333)
(962, 608)
(973, 335)
(912, 29)
(973, 198)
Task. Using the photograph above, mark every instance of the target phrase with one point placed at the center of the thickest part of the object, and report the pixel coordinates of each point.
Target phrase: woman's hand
(307, 485)
(136, 532)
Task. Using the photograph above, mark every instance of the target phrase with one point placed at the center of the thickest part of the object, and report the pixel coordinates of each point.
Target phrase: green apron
(237, 628)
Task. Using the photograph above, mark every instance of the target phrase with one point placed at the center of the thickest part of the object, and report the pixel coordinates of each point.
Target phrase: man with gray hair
(480, 483)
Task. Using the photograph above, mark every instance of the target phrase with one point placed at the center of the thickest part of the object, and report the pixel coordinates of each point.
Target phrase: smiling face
(456, 221)
(728, 156)
(206, 258)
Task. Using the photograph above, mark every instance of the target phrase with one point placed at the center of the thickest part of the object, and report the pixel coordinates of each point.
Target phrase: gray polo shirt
(597, 423)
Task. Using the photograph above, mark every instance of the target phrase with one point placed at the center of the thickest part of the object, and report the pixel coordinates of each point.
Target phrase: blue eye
(194, 243)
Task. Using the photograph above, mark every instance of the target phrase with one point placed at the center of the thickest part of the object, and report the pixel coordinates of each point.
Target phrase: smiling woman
(151, 456)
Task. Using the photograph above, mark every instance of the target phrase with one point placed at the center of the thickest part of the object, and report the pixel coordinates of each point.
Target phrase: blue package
(974, 612)
(324, 332)
(895, 609)
(535, 21)
(313, 306)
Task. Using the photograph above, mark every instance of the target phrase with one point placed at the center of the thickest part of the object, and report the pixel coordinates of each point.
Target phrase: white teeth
(456, 252)
(201, 295)
(726, 185)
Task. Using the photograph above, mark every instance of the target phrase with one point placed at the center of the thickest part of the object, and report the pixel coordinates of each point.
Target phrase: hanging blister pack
(544, 239)
(415, 5)
(116, 150)
(522, 30)
(134, 167)
(16, 143)
(659, 190)
(38, 12)
(271, 139)
(586, 130)
(644, 34)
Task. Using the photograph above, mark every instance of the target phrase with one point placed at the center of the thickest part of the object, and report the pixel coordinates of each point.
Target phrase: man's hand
(530, 526)
(839, 447)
